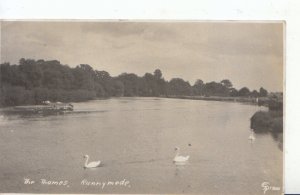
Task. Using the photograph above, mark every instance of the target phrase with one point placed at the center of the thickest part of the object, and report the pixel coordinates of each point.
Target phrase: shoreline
(250, 100)
(253, 101)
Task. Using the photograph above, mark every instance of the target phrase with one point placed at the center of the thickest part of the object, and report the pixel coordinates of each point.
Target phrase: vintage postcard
(142, 107)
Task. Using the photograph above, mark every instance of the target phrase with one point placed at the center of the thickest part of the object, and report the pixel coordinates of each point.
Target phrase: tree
(198, 87)
(105, 80)
(5, 73)
(244, 91)
(263, 92)
(32, 73)
(215, 89)
(178, 86)
(254, 93)
(227, 83)
(157, 74)
(149, 84)
(199, 82)
(130, 82)
(86, 68)
(85, 77)
(160, 84)
(118, 88)
(233, 92)
(152, 85)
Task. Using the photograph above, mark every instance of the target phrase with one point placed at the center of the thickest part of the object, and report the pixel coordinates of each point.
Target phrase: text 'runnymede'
(84, 182)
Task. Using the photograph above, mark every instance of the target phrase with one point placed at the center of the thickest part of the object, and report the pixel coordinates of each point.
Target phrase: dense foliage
(34, 81)
(267, 121)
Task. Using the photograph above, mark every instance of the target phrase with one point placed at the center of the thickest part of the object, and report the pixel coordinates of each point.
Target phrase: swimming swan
(178, 158)
(93, 164)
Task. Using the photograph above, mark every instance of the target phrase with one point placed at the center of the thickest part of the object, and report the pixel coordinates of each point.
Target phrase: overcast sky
(248, 54)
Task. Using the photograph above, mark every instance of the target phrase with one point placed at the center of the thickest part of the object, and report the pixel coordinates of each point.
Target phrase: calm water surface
(135, 139)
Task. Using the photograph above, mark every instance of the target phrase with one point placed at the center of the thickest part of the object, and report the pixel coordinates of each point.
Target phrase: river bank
(250, 100)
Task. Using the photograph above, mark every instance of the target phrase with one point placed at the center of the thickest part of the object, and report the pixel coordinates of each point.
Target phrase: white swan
(93, 164)
(180, 159)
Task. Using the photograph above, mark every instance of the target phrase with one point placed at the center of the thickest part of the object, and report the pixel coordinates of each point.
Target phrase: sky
(249, 54)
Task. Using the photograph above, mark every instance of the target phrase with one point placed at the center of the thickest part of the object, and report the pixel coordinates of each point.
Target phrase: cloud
(249, 54)
(148, 31)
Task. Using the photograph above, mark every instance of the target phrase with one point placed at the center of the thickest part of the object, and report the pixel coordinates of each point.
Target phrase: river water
(135, 140)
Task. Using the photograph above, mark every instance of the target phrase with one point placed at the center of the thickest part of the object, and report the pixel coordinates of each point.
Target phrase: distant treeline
(34, 81)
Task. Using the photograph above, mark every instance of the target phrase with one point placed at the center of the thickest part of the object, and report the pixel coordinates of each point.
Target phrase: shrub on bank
(261, 121)
(277, 124)
(267, 121)
(16, 95)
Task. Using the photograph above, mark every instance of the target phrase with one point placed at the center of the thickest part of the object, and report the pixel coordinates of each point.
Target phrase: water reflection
(179, 169)
(180, 175)
(277, 136)
(180, 164)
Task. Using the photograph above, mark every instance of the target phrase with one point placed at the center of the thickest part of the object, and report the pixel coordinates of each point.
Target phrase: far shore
(271, 103)
(250, 100)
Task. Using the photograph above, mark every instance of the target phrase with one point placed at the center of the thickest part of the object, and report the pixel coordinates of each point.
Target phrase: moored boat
(46, 108)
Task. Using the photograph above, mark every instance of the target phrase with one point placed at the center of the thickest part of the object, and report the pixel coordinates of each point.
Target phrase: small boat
(46, 108)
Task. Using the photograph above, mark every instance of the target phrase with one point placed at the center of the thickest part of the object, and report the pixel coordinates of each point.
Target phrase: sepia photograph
(142, 107)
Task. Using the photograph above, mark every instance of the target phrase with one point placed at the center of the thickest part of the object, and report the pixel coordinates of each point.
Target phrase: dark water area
(135, 140)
